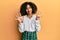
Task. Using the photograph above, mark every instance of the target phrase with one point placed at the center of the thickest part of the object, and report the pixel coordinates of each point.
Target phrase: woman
(29, 24)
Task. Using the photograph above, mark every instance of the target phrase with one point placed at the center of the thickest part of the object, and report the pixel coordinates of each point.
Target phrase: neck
(30, 15)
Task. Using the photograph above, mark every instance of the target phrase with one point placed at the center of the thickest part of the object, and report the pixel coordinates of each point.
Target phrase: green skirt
(29, 35)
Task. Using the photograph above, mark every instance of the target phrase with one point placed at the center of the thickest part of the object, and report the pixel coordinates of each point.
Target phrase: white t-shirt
(29, 24)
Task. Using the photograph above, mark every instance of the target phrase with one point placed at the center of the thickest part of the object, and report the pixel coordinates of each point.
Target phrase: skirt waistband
(30, 32)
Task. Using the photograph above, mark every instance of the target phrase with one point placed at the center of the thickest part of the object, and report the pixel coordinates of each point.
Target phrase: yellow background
(50, 20)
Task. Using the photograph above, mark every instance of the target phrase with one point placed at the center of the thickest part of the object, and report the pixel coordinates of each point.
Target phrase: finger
(38, 13)
(16, 19)
(17, 15)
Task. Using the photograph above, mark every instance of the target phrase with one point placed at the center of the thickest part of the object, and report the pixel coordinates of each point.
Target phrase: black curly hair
(24, 5)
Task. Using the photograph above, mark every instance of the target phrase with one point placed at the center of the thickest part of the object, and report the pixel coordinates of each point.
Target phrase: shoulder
(34, 16)
(24, 16)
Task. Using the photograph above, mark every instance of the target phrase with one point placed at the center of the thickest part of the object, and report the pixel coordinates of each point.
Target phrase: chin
(29, 13)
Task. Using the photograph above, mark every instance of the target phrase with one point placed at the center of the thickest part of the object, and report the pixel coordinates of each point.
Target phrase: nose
(28, 10)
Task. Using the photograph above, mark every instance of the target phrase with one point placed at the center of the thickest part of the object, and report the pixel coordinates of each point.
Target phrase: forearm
(38, 26)
(21, 27)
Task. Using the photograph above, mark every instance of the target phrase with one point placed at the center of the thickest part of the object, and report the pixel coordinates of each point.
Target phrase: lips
(28, 11)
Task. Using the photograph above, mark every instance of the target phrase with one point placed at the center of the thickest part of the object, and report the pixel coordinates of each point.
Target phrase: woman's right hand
(19, 18)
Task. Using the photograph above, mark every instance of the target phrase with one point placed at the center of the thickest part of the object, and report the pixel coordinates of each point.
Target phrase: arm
(21, 27)
(37, 25)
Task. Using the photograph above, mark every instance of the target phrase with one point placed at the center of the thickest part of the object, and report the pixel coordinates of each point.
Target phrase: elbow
(21, 31)
(38, 28)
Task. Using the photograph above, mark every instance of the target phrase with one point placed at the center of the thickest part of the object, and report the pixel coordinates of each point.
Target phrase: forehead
(28, 5)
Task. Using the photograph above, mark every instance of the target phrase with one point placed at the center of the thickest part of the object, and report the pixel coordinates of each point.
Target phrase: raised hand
(19, 17)
(37, 15)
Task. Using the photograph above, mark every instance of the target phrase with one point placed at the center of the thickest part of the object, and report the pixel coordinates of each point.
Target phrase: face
(29, 9)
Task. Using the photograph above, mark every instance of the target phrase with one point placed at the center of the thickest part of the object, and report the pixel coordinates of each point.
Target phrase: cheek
(26, 10)
(31, 10)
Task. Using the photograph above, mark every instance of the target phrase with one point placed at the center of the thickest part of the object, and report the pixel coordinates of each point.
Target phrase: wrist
(37, 18)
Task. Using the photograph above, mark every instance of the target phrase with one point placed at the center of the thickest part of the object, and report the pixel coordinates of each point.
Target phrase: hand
(37, 15)
(19, 18)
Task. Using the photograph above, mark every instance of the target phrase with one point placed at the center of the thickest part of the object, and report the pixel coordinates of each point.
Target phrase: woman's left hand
(38, 16)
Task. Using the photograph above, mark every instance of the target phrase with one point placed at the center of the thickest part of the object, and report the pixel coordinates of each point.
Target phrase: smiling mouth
(28, 11)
